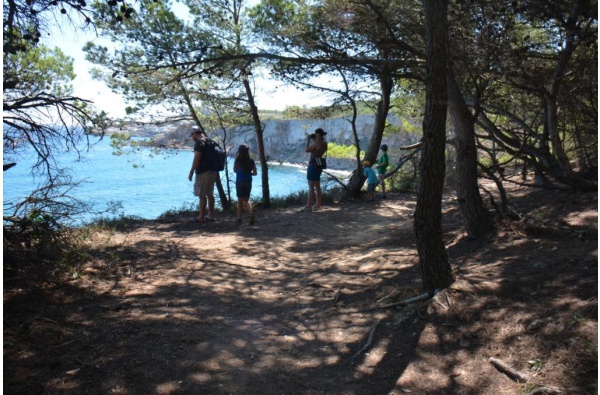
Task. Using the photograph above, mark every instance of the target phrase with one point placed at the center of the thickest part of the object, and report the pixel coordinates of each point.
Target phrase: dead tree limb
(403, 160)
(513, 374)
(544, 390)
(413, 146)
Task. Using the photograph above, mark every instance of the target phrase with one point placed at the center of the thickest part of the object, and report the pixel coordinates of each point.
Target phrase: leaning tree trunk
(435, 268)
(266, 195)
(383, 108)
(357, 178)
(477, 220)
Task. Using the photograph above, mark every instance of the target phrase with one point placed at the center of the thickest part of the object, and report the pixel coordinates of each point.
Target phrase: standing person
(317, 149)
(205, 177)
(244, 168)
(371, 180)
(381, 167)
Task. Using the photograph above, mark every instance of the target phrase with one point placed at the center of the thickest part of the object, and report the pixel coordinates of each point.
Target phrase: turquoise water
(145, 184)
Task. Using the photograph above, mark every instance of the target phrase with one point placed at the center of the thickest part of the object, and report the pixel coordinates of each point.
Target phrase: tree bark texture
(478, 221)
(357, 178)
(435, 268)
(386, 84)
(264, 168)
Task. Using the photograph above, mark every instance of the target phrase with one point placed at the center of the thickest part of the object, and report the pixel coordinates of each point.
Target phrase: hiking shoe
(252, 219)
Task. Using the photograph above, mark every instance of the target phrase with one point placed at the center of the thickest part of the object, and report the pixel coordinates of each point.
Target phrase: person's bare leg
(318, 194)
(252, 214)
(239, 208)
(211, 207)
(202, 208)
(311, 193)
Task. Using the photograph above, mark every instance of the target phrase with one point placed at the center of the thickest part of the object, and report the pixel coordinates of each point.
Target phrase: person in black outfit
(244, 168)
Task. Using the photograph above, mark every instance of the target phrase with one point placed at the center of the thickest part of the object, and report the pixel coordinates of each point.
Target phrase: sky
(71, 43)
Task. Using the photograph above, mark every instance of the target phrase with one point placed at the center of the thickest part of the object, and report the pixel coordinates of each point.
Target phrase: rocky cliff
(285, 139)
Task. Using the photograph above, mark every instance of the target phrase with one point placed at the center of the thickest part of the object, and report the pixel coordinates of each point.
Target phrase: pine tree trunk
(264, 168)
(435, 268)
(383, 108)
(477, 220)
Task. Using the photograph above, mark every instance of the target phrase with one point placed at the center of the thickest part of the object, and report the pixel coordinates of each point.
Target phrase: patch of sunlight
(371, 358)
(169, 387)
(201, 377)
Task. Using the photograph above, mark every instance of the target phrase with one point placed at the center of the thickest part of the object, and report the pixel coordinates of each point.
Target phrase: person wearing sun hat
(205, 177)
(371, 180)
(317, 146)
(381, 166)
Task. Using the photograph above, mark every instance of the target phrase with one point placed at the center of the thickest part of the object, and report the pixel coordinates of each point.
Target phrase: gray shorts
(204, 185)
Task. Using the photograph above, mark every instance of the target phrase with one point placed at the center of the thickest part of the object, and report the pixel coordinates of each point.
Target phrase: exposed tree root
(369, 340)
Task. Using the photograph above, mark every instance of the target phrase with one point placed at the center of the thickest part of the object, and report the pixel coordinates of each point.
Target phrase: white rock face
(285, 139)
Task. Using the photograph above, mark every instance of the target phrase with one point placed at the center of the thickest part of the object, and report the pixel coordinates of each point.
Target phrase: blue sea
(145, 184)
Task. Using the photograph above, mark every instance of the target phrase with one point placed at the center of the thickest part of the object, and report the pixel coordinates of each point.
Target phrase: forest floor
(303, 303)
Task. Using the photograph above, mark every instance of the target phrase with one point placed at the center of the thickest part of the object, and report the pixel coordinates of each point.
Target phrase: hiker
(381, 166)
(317, 149)
(244, 168)
(205, 177)
(371, 180)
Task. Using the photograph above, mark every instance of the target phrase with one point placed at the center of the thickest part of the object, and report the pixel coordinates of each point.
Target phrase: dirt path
(283, 307)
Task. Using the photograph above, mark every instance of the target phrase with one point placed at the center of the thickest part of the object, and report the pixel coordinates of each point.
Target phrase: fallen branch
(369, 340)
(543, 390)
(336, 297)
(513, 374)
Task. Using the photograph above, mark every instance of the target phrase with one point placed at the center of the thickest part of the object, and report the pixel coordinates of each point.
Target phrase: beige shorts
(204, 185)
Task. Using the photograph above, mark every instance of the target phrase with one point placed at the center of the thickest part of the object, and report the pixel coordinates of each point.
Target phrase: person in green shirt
(382, 165)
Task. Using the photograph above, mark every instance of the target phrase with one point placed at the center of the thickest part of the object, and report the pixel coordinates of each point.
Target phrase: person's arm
(195, 163)
(309, 148)
(254, 171)
(235, 165)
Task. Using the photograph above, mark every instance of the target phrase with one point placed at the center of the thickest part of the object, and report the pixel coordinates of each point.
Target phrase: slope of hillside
(307, 303)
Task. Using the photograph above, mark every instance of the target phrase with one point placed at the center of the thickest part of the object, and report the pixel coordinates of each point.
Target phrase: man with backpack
(206, 174)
